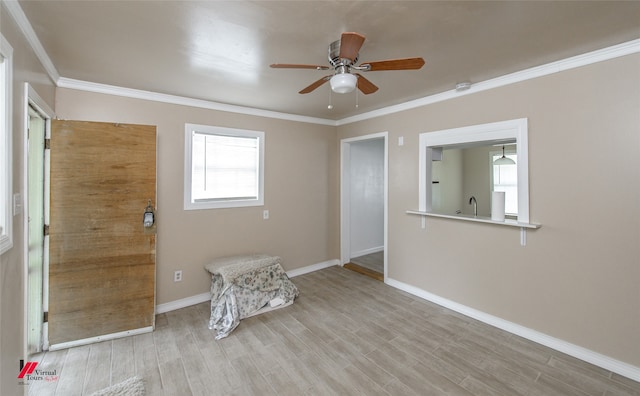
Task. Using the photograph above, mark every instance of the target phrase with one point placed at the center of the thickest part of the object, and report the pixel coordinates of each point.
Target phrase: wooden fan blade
(294, 66)
(365, 86)
(395, 64)
(315, 85)
(350, 44)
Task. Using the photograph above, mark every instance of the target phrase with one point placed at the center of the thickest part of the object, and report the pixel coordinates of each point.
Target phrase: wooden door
(102, 259)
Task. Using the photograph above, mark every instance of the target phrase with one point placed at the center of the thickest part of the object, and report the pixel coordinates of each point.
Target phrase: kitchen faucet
(473, 201)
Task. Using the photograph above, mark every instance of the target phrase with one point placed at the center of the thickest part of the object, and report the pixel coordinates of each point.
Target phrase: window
(224, 167)
(505, 178)
(6, 228)
(511, 131)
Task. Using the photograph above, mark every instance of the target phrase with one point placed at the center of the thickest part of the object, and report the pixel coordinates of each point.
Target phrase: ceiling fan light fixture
(343, 83)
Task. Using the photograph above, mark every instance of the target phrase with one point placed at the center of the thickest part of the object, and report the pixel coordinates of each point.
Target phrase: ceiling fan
(343, 56)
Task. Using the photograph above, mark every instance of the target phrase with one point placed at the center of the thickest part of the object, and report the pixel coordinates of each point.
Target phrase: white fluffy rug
(134, 386)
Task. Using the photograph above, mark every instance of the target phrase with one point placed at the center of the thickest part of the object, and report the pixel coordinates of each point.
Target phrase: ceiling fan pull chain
(330, 96)
(357, 98)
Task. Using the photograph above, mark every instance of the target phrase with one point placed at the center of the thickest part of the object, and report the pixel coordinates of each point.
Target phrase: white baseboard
(183, 303)
(106, 337)
(200, 298)
(367, 251)
(312, 268)
(576, 351)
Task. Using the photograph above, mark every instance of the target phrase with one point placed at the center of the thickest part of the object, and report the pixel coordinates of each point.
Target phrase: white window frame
(6, 167)
(492, 133)
(191, 204)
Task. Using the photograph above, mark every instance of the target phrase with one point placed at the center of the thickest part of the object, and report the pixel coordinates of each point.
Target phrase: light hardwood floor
(373, 261)
(346, 334)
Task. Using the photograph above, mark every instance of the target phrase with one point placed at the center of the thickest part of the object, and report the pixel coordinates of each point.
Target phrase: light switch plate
(17, 204)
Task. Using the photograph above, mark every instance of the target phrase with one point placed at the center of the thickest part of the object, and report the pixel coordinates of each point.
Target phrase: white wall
(366, 196)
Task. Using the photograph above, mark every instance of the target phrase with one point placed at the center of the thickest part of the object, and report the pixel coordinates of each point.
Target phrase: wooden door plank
(102, 262)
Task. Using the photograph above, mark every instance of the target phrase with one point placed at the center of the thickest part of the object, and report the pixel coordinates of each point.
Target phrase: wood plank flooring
(364, 271)
(346, 334)
(373, 261)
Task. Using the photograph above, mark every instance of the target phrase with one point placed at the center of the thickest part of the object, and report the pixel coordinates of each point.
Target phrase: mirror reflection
(464, 177)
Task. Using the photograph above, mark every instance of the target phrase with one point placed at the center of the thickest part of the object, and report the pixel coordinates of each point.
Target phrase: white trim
(477, 219)
(106, 337)
(33, 99)
(312, 268)
(345, 213)
(364, 252)
(203, 297)
(189, 131)
(576, 351)
(604, 54)
(27, 30)
(6, 146)
(345, 206)
(37, 102)
(183, 303)
(492, 132)
(184, 101)
(616, 51)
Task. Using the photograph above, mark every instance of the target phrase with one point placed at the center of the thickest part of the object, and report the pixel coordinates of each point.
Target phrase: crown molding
(27, 30)
(627, 48)
(23, 23)
(184, 101)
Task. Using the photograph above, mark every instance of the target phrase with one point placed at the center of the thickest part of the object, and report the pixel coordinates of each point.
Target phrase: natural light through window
(224, 167)
(6, 231)
(505, 178)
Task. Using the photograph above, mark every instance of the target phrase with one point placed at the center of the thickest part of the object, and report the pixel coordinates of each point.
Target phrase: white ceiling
(221, 50)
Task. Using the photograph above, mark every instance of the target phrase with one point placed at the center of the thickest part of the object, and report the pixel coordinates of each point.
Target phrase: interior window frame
(432, 143)
(192, 204)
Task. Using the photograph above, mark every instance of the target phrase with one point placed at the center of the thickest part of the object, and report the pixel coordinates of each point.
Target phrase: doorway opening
(37, 125)
(363, 204)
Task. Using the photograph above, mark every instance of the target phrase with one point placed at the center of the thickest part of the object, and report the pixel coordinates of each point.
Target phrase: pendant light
(504, 160)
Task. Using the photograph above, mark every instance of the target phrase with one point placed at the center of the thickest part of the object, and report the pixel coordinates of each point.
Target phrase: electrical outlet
(177, 276)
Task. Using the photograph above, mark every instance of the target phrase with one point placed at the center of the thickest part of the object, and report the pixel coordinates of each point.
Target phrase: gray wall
(301, 190)
(577, 278)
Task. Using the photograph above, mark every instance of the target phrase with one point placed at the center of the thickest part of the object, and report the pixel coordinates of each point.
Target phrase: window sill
(477, 219)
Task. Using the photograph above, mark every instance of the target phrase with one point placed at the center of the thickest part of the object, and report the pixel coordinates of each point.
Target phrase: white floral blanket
(244, 286)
